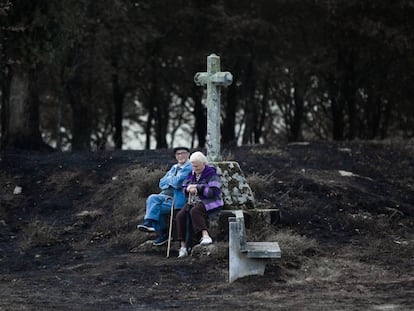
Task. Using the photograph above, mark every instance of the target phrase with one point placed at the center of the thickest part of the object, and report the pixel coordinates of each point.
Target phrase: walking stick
(170, 229)
(188, 224)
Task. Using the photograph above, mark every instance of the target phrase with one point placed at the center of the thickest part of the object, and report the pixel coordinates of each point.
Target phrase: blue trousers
(158, 206)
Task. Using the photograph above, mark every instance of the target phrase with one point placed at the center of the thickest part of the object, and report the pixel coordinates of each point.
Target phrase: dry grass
(296, 249)
(228, 155)
(147, 180)
(124, 221)
(259, 183)
(38, 233)
(120, 227)
(292, 244)
(273, 152)
(365, 222)
(119, 223)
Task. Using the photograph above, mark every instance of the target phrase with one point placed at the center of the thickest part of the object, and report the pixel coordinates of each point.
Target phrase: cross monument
(214, 79)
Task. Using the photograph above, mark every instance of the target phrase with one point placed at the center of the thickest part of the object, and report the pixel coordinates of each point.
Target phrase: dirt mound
(68, 239)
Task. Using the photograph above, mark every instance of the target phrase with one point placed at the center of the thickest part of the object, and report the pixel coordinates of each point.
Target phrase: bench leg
(239, 264)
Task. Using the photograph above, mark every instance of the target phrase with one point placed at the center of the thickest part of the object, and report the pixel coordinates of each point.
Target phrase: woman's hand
(192, 189)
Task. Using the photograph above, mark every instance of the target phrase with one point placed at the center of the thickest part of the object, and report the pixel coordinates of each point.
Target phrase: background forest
(88, 75)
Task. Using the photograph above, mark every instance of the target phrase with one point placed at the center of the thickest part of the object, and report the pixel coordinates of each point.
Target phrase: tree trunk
(258, 132)
(229, 121)
(81, 116)
(21, 118)
(337, 109)
(5, 89)
(200, 118)
(118, 97)
(148, 126)
(162, 102)
(162, 122)
(298, 111)
(349, 92)
(337, 119)
(249, 106)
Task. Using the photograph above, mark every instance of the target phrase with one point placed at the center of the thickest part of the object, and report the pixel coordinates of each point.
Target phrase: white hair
(198, 157)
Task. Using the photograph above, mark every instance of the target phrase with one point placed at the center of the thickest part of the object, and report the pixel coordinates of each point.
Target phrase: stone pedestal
(237, 194)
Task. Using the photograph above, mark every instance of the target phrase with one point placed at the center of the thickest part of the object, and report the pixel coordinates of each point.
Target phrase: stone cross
(214, 79)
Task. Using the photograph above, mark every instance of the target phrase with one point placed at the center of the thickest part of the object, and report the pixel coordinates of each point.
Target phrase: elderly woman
(202, 187)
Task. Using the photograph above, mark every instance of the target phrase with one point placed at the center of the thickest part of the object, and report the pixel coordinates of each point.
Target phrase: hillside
(68, 239)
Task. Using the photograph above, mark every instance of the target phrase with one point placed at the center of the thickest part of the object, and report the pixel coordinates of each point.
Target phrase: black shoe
(161, 240)
(146, 226)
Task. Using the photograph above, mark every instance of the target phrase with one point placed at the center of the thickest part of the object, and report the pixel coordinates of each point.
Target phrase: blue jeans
(158, 206)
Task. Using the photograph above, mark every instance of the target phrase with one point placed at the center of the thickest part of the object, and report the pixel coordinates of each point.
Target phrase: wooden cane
(170, 229)
(187, 223)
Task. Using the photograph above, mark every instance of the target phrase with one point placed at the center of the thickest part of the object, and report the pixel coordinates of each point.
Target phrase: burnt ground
(68, 240)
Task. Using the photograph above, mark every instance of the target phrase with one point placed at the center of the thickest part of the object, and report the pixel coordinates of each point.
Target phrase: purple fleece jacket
(208, 187)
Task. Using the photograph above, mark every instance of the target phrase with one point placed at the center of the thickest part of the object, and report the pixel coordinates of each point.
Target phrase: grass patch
(120, 227)
(296, 249)
(147, 180)
(273, 152)
(260, 183)
(38, 233)
(293, 245)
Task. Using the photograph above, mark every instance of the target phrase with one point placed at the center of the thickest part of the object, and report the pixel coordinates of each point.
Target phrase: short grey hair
(198, 157)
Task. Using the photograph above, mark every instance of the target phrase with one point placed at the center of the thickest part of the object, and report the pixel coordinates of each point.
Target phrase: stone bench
(247, 258)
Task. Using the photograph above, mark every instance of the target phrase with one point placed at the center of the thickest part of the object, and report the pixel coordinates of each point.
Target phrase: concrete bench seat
(262, 250)
(247, 258)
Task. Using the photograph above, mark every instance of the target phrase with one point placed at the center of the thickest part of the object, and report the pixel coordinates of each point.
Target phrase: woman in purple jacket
(203, 188)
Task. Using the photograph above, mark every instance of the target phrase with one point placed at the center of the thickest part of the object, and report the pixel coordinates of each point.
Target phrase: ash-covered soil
(68, 238)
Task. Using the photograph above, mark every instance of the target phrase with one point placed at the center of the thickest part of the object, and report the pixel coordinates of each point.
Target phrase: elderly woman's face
(198, 167)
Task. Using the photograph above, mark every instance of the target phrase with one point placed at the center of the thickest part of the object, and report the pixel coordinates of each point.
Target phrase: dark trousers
(199, 220)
